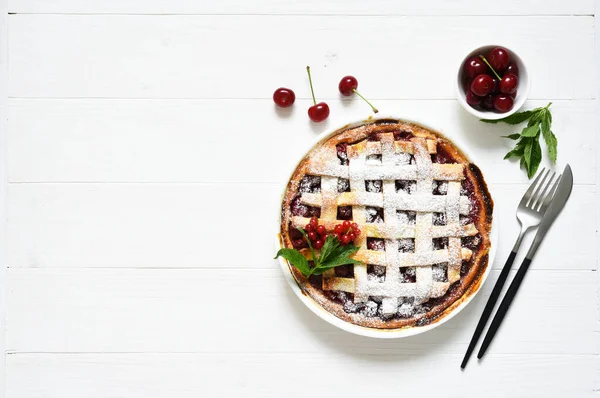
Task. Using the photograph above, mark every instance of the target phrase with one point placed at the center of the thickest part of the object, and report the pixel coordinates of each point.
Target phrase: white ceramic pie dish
(372, 332)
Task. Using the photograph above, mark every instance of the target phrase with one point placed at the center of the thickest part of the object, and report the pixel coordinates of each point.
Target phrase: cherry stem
(311, 85)
(375, 110)
(488, 64)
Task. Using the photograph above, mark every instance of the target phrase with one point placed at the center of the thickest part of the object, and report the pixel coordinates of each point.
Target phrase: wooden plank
(328, 7)
(161, 56)
(198, 140)
(3, 185)
(193, 225)
(225, 311)
(268, 375)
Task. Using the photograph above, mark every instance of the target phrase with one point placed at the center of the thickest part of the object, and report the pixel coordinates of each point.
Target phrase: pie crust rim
(344, 323)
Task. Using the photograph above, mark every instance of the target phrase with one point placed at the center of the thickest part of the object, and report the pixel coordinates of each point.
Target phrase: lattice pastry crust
(417, 200)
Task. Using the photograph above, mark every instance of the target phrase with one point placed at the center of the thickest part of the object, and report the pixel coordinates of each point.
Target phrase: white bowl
(372, 332)
(522, 89)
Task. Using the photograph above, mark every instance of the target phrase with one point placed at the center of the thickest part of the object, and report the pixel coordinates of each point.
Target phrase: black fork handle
(487, 312)
(504, 306)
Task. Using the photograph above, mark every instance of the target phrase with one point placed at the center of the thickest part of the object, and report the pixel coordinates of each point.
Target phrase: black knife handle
(487, 312)
(504, 306)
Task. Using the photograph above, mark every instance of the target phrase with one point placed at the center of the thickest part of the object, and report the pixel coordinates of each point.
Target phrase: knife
(562, 193)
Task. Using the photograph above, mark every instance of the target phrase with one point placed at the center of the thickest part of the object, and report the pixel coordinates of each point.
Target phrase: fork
(530, 211)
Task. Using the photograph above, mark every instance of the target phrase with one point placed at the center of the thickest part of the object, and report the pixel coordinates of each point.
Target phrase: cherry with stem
(348, 85)
(318, 112)
(492, 69)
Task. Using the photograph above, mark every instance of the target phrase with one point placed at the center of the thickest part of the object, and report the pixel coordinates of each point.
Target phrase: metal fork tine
(550, 195)
(527, 194)
(534, 197)
(542, 195)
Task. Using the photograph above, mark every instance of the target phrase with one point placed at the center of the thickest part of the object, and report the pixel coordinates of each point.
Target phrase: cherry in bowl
(492, 82)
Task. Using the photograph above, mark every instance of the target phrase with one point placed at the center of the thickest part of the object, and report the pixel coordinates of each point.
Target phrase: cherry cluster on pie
(405, 211)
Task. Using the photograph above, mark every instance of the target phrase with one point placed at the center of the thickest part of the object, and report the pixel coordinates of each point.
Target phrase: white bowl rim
(361, 330)
(522, 94)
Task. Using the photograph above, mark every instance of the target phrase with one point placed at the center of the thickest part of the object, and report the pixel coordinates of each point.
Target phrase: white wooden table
(143, 161)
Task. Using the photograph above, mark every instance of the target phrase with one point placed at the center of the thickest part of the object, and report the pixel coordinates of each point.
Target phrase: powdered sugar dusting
(419, 204)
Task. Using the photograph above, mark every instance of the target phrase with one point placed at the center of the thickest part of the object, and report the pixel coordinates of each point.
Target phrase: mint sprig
(528, 147)
(333, 254)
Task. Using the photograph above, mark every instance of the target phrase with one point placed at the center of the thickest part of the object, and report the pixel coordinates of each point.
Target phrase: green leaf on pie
(312, 251)
(296, 259)
(329, 247)
(335, 262)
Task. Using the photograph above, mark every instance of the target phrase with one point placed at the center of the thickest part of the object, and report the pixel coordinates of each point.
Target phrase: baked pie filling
(424, 211)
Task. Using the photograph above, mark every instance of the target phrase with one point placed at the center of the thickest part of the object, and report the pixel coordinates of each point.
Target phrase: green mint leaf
(522, 163)
(514, 136)
(546, 122)
(515, 118)
(296, 259)
(531, 131)
(345, 251)
(513, 153)
(527, 153)
(535, 159)
(338, 256)
(518, 150)
(330, 245)
(552, 144)
(535, 119)
(549, 137)
(312, 251)
(336, 262)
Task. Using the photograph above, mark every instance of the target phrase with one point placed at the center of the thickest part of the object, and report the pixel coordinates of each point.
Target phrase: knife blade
(561, 195)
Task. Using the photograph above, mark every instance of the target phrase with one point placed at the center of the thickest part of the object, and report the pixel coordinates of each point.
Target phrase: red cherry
(312, 236)
(482, 85)
(314, 221)
(284, 97)
(496, 85)
(318, 244)
(355, 226)
(346, 224)
(474, 66)
(499, 59)
(345, 239)
(513, 68)
(309, 227)
(352, 236)
(488, 102)
(299, 243)
(509, 83)
(321, 230)
(472, 99)
(338, 229)
(318, 112)
(503, 103)
(356, 232)
(347, 85)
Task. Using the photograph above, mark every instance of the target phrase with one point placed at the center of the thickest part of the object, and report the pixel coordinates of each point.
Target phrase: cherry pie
(424, 212)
